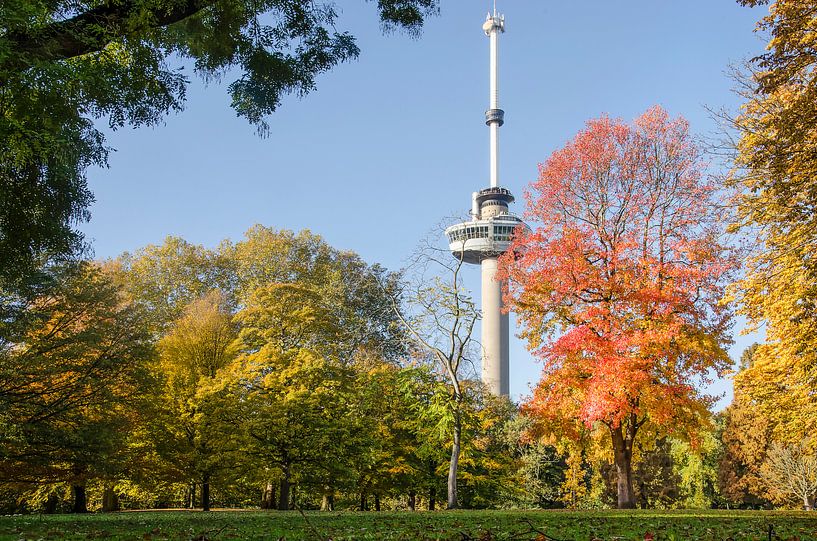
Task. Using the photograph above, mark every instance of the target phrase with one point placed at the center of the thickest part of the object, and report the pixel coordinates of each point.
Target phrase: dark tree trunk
(51, 503)
(268, 497)
(377, 502)
(283, 491)
(363, 498)
(643, 502)
(284, 487)
(623, 438)
(80, 502)
(455, 461)
(412, 500)
(110, 500)
(432, 498)
(205, 494)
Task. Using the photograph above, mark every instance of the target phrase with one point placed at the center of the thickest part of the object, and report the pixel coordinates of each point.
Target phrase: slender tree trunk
(110, 500)
(376, 501)
(80, 502)
(283, 500)
(191, 504)
(363, 498)
(51, 503)
(432, 498)
(455, 461)
(623, 459)
(412, 500)
(268, 496)
(205, 493)
(328, 502)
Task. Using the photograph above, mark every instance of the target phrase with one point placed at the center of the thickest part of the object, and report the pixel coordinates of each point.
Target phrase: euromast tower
(487, 235)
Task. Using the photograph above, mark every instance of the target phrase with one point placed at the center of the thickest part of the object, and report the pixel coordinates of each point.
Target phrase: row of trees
(245, 374)
(278, 362)
(276, 372)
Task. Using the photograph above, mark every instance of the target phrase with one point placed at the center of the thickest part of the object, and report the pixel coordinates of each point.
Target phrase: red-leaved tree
(618, 285)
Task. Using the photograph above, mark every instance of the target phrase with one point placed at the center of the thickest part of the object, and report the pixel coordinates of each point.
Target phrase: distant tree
(698, 470)
(427, 419)
(628, 266)
(71, 367)
(294, 394)
(655, 476)
(64, 64)
(165, 279)
(316, 319)
(574, 487)
(791, 470)
(541, 466)
(747, 436)
(441, 315)
(189, 430)
(490, 467)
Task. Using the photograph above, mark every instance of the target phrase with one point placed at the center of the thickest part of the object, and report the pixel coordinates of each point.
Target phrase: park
(408, 269)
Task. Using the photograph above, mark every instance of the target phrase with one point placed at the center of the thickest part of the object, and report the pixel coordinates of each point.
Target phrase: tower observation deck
(488, 234)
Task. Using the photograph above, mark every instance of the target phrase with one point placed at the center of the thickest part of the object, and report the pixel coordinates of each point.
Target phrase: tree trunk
(642, 496)
(110, 500)
(376, 502)
(80, 502)
(268, 497)
(51, 503)
(191, 504)
(432, 498)
(808, 502)
(205, 493)
(283, 491)
(455, 461)
(328, 502)
(412, 500)
(363, 503)
(623, 458)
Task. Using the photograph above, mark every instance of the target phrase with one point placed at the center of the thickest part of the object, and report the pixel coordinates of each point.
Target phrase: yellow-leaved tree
(776, 166)
(190, 433)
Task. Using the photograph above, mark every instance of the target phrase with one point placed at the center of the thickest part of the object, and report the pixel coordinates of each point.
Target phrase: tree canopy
(776, 167)
(65, 64)
(618, 287)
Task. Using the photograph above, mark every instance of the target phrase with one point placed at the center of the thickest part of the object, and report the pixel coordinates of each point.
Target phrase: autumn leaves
(618, 287)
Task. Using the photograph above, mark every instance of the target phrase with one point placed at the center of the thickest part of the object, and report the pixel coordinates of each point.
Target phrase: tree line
(269, 372)
(281, 372)
(275, 373)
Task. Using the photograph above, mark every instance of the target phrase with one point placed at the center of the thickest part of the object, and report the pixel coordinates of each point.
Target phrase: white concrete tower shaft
(495, 354)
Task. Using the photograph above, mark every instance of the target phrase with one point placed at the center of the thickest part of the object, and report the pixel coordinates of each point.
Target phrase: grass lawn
(453, 525)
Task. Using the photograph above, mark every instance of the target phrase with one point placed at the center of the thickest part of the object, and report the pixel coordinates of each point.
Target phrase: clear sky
(393, 142)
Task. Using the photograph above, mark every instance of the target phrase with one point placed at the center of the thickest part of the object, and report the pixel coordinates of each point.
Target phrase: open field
(448, 525)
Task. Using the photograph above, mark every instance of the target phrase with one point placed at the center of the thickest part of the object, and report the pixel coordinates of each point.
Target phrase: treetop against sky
(394, 141)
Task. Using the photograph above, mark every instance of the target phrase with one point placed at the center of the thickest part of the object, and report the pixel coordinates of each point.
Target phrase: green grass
(448, 525)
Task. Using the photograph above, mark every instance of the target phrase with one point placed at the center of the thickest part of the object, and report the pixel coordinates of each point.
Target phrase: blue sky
(390, 144)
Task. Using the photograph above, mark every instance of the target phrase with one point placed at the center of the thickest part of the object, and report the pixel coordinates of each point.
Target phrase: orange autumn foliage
(618, 285)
